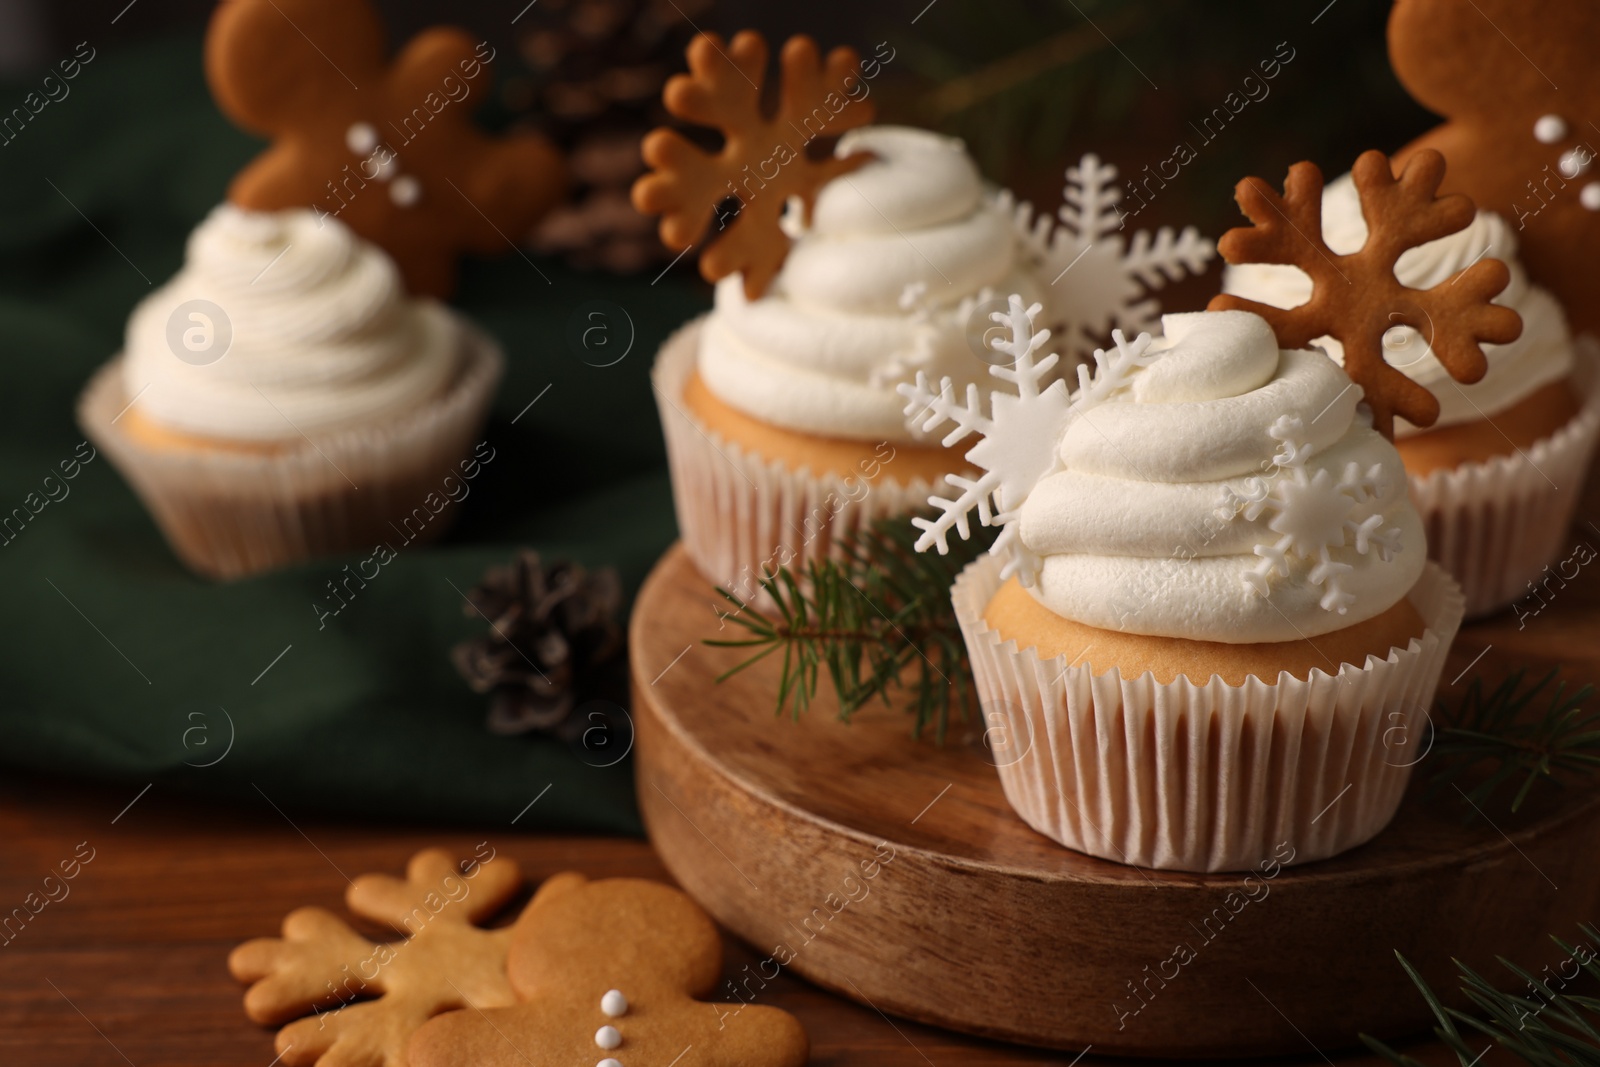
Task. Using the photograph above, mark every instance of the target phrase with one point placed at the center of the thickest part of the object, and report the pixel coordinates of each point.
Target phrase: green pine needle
(1493, 740)
(877, 622)
(1543, 1022)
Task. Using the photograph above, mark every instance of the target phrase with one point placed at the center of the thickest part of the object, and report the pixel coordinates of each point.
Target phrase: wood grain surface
(129, 967)
(896, 874)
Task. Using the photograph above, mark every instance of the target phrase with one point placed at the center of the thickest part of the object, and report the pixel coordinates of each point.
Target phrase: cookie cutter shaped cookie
(320, 965)
(386, 146)
(1357, 298)
(615, 972)
(763, 161)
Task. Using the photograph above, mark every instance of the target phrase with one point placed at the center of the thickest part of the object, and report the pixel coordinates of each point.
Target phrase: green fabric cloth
(118, 663)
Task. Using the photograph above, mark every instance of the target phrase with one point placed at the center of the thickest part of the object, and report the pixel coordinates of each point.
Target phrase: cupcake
(839, 273)
(839, 277)
(1210, 609)
(298, 389)
(1497, 476)
(283, 398)
(782, 422)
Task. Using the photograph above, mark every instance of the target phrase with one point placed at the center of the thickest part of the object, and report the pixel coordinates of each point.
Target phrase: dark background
(1045, 84)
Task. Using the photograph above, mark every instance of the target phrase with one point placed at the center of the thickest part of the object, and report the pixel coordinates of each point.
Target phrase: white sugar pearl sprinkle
(1589, 197)
(361, 138)
(405, 191)
(1549, 129)
(608, 1037)
(609, 1062)
(614, 1003)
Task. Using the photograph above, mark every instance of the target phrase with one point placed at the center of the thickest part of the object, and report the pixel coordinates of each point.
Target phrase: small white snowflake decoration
(1099, 279)
(928, 321)
(1020, 433)
(1312, 514)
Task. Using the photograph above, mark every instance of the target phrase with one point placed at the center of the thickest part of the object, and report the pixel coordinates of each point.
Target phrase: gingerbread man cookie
(608, 973)
(386, 147)
(320, 963)
(1520, 88)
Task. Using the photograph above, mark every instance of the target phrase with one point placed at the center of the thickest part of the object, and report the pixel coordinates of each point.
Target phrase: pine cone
(596, 72)
(553, 635)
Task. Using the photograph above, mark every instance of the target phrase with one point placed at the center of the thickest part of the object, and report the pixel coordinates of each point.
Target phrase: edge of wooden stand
(893, 873)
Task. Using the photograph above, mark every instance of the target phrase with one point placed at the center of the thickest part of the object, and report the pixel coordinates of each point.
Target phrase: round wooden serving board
(893, 872)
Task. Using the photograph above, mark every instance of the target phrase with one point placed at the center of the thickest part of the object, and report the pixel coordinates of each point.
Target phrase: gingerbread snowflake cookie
(1357, 298)
(609, 973)
(320, 965)
(763, 162)
(387, 147)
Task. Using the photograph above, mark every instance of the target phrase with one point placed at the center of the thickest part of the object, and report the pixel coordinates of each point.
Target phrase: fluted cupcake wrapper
(1496, 525)
(230, 513)
(743, 517)
(1207, 777)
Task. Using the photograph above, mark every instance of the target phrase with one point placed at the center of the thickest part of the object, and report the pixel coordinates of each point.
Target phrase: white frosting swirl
(1129, 529)
(1543, 354)
(822, 349)
(323, 334)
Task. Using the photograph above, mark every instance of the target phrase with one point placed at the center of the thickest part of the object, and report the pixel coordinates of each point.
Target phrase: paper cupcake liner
(742, 517)
(1496, 525)
(231, 513)
(1205, 777)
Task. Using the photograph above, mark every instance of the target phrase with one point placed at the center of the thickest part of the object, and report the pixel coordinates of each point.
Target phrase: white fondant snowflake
(1100, 279)
(1019, 434)
(1312, 514)
(924, 314)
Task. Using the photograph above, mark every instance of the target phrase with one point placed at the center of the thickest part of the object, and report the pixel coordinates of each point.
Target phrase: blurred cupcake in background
(283, 398)
(298, 389)
(1497, 476)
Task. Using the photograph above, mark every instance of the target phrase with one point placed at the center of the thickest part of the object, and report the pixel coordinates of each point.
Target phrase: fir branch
(877, 622)
(1491, 737)
(1547, 1025)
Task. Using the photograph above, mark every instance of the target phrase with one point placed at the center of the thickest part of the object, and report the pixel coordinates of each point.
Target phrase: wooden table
(128, 967)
